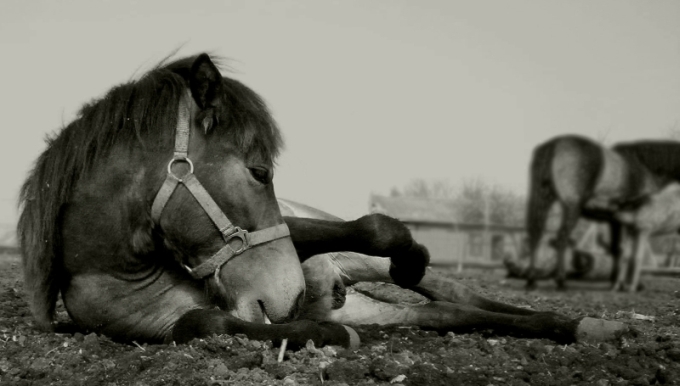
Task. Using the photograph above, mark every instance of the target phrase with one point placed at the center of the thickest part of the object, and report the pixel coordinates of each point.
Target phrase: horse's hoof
(354, 340)
(599, 330)
(408, 269)
(619, 286)
(531, 285)
(633, 288)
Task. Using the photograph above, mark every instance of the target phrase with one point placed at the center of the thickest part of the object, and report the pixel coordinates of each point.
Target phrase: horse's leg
(204, 323)
(373, 234)
(641, 247)
(440, 288)
(541, 198)
(625, 260)
(615, 248)
(570, 215)
(464, 310)
(164, 306)
(353, 268)
(444, 316)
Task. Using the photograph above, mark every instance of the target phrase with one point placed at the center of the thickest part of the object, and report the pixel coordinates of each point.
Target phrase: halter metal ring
(180, 159)
(241, 234)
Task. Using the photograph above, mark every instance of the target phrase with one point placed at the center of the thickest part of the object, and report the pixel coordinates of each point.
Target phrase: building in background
(436, 224)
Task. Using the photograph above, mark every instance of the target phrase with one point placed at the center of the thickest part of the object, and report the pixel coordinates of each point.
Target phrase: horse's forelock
(250, 124)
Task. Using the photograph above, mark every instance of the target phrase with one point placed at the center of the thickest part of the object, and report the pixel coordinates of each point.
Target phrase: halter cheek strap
(228, 230)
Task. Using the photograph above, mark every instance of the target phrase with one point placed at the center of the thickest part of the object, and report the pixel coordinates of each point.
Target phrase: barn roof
(415, 209)
(426, 210)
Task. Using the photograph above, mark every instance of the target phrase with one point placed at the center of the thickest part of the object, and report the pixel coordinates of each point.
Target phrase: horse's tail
(38, 235)
(541, 193)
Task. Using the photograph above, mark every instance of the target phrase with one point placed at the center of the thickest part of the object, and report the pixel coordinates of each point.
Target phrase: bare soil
(388, 355)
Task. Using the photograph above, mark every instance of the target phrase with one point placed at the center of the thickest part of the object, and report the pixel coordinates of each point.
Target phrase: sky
(369, 94)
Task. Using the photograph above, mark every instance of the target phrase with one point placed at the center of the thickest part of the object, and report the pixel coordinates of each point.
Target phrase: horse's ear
(205, 81)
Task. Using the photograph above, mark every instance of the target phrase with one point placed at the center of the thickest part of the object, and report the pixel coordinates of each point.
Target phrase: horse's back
(575, 165)
(661, 158)
(614, 176)
(295, 209)
(584, 171)
(658, 164)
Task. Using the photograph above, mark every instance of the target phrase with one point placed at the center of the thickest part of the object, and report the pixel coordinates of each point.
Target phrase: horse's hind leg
(444, 316)
(635, 284)
(438, 288)
(536, 224)
(570, 215)
(541, 199)
(624, 265)
(615, 248)
(352, 268)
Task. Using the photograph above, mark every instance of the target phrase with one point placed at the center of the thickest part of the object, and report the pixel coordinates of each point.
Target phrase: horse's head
(218, 184)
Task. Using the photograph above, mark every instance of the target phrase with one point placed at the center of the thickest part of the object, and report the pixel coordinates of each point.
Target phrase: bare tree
(476, 201)
(674, 131)
(440, 189)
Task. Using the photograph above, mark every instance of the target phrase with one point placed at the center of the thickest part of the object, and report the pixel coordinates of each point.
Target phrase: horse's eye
(261, 175)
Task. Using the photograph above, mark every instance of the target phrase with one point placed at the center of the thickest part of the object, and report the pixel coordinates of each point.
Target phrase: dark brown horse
(153, 214)
(622, 186)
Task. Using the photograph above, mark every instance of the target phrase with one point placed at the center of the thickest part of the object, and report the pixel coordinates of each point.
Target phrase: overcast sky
(369, 94)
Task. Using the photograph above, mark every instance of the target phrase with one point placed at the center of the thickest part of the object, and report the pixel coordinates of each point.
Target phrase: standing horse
(597, 183)
(153, 214)
(655, 214)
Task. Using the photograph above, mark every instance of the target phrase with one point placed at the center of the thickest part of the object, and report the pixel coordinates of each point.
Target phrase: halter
(228, 230)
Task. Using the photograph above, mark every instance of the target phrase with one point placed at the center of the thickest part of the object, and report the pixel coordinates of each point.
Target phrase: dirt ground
(388, 355)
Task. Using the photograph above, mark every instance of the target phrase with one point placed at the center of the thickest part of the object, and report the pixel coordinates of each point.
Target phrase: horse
(153, 216)
(654, 214)
(599, 184)
(451, 305)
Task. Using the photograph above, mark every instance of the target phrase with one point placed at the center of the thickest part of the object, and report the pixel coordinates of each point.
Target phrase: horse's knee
(389, 237)
(384, 234)
(197, 323)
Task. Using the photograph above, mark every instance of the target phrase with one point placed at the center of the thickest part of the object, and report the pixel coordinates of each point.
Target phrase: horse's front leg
(373, 234)
(202, 323)
(626, 259)
(635, 264)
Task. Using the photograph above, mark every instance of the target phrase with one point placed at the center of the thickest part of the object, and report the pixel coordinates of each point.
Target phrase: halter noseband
(228, 230)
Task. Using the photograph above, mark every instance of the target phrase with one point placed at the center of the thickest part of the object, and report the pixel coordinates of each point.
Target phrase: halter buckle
(241, 234)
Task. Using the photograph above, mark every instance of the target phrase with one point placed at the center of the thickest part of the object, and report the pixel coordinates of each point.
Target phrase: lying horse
(153, 214)
(600, 184)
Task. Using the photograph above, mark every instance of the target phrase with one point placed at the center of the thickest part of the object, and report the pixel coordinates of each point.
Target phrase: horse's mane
(142, 113)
